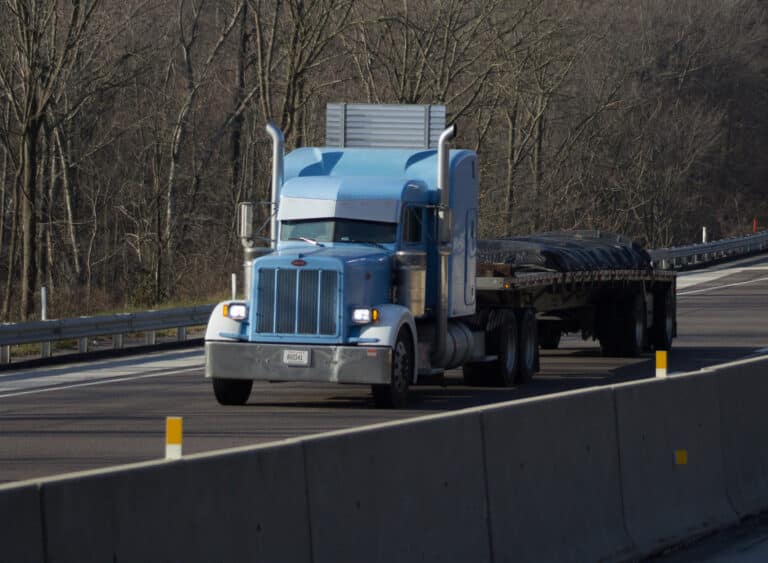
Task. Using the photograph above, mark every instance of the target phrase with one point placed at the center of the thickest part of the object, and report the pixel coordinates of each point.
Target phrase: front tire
(232, 391)
(395, 394)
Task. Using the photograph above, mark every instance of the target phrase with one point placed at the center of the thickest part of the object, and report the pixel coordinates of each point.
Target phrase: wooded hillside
(130, 129)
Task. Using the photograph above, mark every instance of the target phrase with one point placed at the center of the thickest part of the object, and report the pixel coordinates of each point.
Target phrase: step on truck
(375, 274)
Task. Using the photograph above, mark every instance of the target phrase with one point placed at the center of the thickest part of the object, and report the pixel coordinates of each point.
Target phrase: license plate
(296, 357)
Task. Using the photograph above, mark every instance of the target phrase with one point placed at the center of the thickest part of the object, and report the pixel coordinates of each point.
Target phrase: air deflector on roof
(384, 125)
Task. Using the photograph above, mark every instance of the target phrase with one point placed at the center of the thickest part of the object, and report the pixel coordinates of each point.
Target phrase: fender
(218, 324)
(392, 318)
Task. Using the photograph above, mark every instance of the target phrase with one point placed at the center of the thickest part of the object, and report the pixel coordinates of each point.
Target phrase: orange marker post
(173, 434)
(661, 363)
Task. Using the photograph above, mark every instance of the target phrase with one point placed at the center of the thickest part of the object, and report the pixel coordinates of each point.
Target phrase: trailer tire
(395, 394)
(232, 391)
(663, 320)
(634, 331)
(528, 347)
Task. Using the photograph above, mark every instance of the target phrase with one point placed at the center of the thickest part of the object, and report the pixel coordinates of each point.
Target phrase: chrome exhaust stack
(245, 210)
(278, 156)
(250, 251)
(445, 233)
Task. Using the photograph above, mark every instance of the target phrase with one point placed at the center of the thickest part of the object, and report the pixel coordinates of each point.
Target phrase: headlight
(365, 316)
(236, 311)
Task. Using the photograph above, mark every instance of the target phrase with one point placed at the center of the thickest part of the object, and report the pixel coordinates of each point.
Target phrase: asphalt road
(55, 420)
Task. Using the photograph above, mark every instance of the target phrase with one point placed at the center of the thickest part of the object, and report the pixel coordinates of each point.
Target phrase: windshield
(338, 230)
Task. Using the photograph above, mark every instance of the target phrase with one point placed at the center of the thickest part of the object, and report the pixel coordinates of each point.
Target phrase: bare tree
(45, 56)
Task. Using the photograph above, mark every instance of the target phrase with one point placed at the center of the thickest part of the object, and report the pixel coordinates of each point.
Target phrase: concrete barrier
(553, 479)
(671, 462)
(602, 474)
(743, 394)
(240, 506)
(21, 530)
(405, 492)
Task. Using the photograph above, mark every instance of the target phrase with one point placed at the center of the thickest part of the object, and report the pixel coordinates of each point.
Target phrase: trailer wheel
(232, 391)
(663, 321)
(529, 347)
(506, 366)
(634, 327)
(395, 394)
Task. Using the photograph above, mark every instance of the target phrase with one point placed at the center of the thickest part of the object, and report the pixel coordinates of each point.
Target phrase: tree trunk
(239, 120)
(29, 220)
(509, 195)
(67, 193)
(12, 257)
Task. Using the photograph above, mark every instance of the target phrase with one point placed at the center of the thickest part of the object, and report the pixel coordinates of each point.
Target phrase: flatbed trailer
(520, 313)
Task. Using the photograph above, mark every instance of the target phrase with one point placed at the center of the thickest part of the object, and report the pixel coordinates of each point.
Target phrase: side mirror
(245, 220)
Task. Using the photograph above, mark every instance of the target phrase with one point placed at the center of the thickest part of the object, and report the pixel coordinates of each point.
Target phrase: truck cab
(369, 253)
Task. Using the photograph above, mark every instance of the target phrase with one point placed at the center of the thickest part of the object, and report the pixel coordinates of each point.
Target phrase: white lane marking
(706, 289)
(102, 371)
(98, 382)
(701, 277)
(696, 278)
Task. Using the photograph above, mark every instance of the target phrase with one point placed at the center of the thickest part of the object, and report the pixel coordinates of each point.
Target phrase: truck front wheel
(395, 394)
(232, 391)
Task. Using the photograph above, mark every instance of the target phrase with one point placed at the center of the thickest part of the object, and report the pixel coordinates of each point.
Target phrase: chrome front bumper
(265, 362)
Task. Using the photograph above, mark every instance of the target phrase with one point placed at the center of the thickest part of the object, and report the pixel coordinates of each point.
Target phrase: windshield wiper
(307, 240)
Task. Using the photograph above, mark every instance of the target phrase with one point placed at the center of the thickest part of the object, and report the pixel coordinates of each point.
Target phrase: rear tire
(663, 320)
(528, 346)
(634, 332)
(232, 391)
(395, 394)
(508, 343)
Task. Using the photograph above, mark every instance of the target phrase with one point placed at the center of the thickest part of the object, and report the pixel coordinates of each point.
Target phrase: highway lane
(56, 420)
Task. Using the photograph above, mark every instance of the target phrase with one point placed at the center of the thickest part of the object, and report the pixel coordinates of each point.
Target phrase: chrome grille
(301, 301)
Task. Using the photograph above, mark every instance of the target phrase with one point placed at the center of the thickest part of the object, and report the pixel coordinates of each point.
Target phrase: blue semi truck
(375, 274)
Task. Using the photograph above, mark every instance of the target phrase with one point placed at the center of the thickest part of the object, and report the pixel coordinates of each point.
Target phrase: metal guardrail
(705, 253)
(148, 322)
(117, 326)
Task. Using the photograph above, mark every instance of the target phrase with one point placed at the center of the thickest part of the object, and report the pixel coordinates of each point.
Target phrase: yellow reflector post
(173, 435)
(661, 363)
(681, 457)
